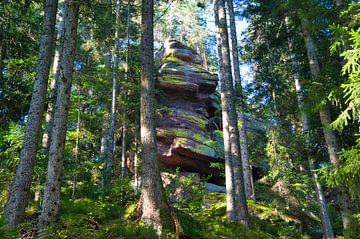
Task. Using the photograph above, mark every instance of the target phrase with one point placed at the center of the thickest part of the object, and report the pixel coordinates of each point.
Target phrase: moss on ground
(95, 219)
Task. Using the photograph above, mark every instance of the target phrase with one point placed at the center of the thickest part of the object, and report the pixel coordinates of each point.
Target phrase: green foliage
(10, 145)
(345, 41)
(347, 173)
(186, 193)
(343, 36)
(122, 192)
(210, 222)
(217, 143)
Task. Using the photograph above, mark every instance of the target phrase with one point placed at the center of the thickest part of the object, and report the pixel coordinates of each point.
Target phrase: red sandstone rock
(184, 135)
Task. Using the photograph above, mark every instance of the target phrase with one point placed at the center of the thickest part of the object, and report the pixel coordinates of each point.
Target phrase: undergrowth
(96, 218)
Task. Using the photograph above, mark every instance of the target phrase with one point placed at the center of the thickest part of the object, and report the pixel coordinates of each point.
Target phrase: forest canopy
(180, 119)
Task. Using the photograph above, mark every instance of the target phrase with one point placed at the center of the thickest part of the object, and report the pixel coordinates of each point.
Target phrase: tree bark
(124, 126)
(332, 147)
(76, 149)
(155, 210)
(19, 194)
(51, 198)
(123, 148)
(49, 119)
(227, 98)
(229, 173)
(325, 118)
(248, 181)
(315, 72)
(109, 152)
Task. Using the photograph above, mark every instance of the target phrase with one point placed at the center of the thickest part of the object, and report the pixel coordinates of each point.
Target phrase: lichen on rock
(184, 132)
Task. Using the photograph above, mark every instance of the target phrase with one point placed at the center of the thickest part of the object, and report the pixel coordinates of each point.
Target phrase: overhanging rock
(185, 137)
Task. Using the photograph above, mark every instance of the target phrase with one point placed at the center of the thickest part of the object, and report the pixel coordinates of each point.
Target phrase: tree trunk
(315, 72)
(49, 119)
(204, 60)
(155, 210)
(325, 118)
(137, 177)
(124, 126)
(111, 132)
(123, 148)
(76, 149)
(51, 198)
(19, 194)
(248, 181)
(227, 98)
(229, 173)
(332, 147)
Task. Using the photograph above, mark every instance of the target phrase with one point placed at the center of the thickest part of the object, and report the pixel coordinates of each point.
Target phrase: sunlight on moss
(196, 120)
(172, 79)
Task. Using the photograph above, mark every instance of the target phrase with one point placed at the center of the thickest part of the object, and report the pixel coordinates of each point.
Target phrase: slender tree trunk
(19, 194)
(51, 198)
(229, 173)
(37, 193)
(155, 210)
(137, 158)
(315, 72)
(332, 147)
(249, 189)
(227, 98)
(111, 133)
(325, 118)
(123, 148)
(76, 149)
(105, 121)
(204, 60)
(137, 177)
(124, 126)
(49, 119)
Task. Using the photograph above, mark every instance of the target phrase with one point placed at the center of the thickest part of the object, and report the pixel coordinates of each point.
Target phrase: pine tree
(51, 199)
(227, 99)
(155, 210)
(19, 193)
(49, 118)
(248, 178)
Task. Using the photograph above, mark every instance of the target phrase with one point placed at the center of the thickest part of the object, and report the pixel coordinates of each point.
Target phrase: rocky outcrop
(184, 133)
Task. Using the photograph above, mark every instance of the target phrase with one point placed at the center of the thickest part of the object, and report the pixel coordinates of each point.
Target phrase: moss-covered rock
(184, 138)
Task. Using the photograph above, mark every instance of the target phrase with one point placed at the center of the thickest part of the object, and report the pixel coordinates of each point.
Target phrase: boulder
(185, 137)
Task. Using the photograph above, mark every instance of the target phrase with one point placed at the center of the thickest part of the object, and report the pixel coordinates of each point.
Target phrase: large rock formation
(184, 133)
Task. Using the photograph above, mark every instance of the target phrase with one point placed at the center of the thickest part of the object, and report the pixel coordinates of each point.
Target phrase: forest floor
(202, 215)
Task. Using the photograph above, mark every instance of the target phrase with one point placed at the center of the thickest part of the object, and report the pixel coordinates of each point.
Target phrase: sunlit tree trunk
(49, 119)
(110, 139)
(51, 198)
(204, 60)
(229, 173)
(124, 123)
(227, 99)
(332, 147)
(248, 181)
(155, 210)
(325, 118)
(315, 72)
(137, 162)
(76, 148)
(19, 193)
(123, 148)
